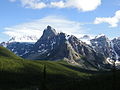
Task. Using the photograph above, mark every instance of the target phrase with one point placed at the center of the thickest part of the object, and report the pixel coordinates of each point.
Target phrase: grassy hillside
(19, 74)
(7, 54)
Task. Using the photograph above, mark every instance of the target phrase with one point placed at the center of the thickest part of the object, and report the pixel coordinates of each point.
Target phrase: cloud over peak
(82, 5)
(35, 28)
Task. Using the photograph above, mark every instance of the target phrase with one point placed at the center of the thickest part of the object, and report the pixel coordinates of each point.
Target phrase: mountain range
(99, 52)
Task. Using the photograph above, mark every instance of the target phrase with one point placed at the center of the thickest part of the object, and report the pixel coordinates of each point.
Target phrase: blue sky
(78, 17)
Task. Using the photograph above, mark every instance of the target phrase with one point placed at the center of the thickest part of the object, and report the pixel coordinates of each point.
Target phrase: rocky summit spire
(49, 27)
(49, 32)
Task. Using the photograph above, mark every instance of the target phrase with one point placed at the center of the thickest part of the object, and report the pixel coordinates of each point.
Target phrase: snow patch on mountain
(100, 35)
(67, 36)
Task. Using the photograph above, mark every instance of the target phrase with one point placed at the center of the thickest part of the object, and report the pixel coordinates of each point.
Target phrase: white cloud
(82, 5)
(113, 21)
(35, 28)
(34, 4)
(59, 4)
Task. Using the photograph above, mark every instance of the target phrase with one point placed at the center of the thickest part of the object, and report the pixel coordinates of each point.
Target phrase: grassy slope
(8, 54)
(16, 73)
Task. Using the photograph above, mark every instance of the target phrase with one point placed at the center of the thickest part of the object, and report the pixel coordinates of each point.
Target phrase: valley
(19, 74)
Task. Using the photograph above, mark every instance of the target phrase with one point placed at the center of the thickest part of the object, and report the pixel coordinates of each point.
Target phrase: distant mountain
(23, 39)
(20, 48)
(20, 45)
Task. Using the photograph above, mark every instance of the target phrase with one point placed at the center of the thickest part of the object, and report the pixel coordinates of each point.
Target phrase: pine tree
(44, 78)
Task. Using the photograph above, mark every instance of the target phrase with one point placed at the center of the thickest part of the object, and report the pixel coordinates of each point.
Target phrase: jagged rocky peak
(73, 39)
(100, 38)
(101, 44)
(49, 32)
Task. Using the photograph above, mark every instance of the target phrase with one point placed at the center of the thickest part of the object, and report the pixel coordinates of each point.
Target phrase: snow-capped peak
(23, 39)
(117, 38)
(100, 35)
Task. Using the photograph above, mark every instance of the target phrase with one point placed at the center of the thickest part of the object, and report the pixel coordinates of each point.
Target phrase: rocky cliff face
(52, 46)
(102, 45)
(108, 48)
(116, 46)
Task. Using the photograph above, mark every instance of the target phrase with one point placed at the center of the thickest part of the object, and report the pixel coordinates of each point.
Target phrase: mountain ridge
(55, 46)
